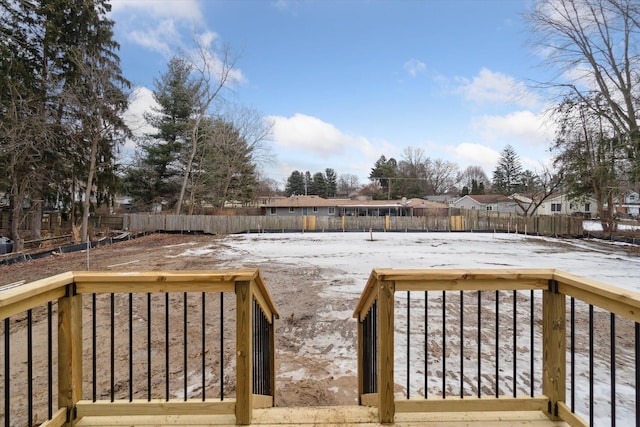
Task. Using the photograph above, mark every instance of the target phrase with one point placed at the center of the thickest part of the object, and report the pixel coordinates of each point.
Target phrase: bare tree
(212, 74)
(347, 184)
(593, 43)
(538, 188)
(444, 176)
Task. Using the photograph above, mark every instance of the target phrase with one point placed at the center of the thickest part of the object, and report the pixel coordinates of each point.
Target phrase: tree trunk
(36, 215)
(187, 172)
(86, 203)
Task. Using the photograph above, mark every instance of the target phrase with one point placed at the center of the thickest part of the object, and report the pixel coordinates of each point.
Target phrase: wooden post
(386, 403)
(554, 356)
(244, 368)
(69, 352)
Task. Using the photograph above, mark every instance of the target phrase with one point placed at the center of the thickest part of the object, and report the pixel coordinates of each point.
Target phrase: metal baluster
(479, 343)
(30, 367)
(426, 344)
(613, 369)
(461, 344)
(591, 413)
(184, 344)
(130, 347)
(94, 368)
(444, 344)
(221, 346)
(50, 360)
(7, 372)
(149, 343)
(408, 342)
(166, 344)
(204, 347)
(497, 343)
(113, 348)
(515, 340)
(573, 353)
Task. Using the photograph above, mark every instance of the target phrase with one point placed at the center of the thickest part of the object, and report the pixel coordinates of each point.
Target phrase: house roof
(486, 199)
(317, 201)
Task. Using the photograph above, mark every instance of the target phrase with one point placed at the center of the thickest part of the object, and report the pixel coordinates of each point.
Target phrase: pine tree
(332, 182)
(295, 184)
(507, 177)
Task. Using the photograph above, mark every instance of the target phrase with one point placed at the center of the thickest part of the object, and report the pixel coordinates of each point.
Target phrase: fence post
(70, 352)
(386, 403)
(554, 358)
(244, 364)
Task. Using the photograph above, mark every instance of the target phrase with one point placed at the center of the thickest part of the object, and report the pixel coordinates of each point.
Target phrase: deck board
(334, 416)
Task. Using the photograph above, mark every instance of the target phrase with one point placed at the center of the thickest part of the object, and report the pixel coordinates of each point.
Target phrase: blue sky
(347, 81)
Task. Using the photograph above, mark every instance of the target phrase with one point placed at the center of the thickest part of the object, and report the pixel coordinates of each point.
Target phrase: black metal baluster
(50, 359)
(204, 346)
(113, 348)
(130, 347)
(573, 353)
(94, 339)
(408, 342)
(426, 344)
(637, 348)
(479, 343)
(166, 344)
(444, 345)
(591, 412)
(497, 343)
(30, 367)
(184, 342)
(613, 369)
(515, 341)
(374, 365)
(221, 346)
(7, 372)
(461, 344)
(149, 344)
(532, 347)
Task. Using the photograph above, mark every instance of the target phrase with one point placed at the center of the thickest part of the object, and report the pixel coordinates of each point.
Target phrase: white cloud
(498, 88)
(156, 24)
(306, 133)
(414, 67)
(468, 154)
(140, 101)
(183, 10)
(524, 126)
(304, 142)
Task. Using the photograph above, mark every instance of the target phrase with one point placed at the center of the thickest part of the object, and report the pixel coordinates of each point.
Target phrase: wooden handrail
(67, 289)
(555, 286)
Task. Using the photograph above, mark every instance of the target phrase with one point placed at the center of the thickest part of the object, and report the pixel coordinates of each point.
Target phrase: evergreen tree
(318, 185)
(383, 172)
(507, 177)
(332, 182)
(295, 184)
(161, 150)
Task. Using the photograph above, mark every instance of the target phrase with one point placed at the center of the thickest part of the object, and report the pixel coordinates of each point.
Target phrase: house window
(571, 206)
(315, 209)
(489, 208)
(556, 207)
(632, 197)
(332, 211)
(292, 210)
(273, 211)
(587, 207)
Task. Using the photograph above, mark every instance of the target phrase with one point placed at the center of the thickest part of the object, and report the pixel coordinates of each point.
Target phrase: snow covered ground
(345, 261)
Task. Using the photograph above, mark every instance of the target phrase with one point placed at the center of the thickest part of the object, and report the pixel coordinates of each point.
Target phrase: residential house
(316, 205)
(561, 204)
(487, 202)
(630, 205)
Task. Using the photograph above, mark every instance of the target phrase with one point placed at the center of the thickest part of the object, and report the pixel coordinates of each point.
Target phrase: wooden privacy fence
(146, 343)
(470, 220)
(499, 340)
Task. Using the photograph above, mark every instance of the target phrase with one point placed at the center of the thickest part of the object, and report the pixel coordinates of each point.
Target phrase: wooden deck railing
(499, 340)
(126, 350)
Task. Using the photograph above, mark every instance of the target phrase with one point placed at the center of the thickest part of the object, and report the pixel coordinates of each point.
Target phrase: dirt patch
(294, 290)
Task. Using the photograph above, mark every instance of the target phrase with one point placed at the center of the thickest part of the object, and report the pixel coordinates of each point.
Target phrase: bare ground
(298, 306)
